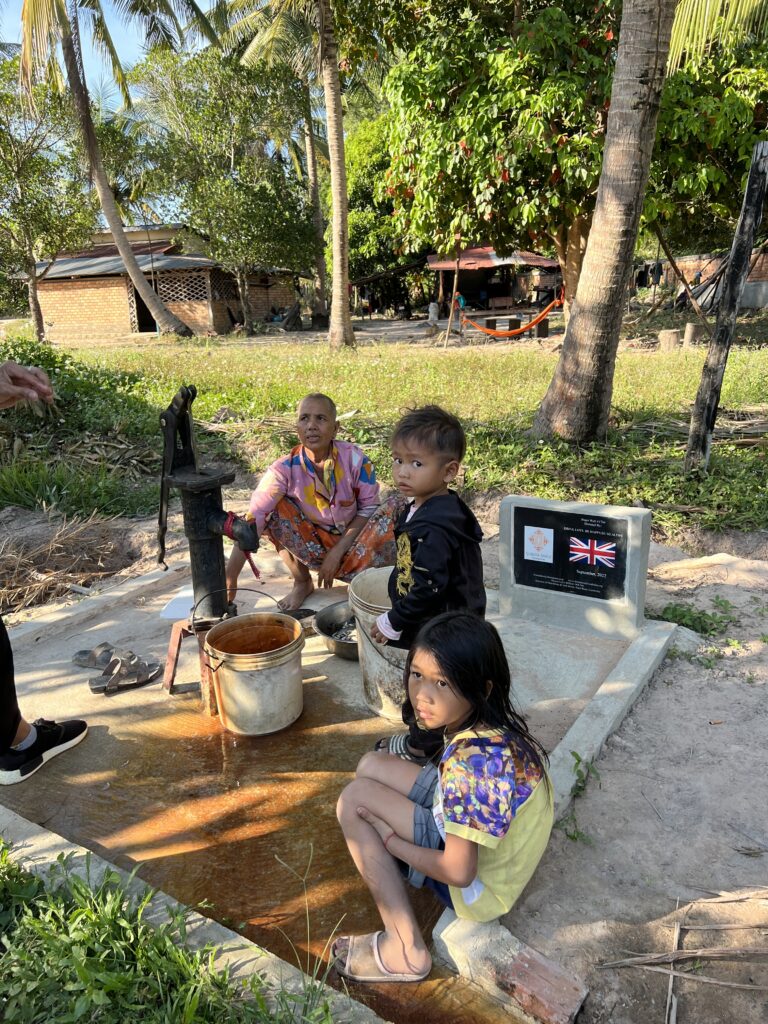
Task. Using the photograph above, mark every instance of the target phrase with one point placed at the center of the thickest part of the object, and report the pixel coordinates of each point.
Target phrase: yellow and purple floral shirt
(491, 792)
(346, 488)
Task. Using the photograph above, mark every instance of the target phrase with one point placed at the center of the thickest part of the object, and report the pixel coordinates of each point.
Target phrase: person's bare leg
(401, 948)
(389, 769)
(302, 582)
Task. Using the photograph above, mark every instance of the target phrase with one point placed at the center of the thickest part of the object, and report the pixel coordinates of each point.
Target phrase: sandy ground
(678, 813)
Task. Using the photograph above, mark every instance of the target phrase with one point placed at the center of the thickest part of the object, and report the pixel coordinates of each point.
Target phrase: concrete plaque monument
(574, 565)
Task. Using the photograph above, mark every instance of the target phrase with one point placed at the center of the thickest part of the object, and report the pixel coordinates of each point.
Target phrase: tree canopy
(46, 206)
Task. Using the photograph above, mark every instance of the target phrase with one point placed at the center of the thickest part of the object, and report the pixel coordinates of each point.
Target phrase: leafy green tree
(52, 29)
(713, 111)
(375, 243)
(213, 121)
(45, 205)
(578, 399)
(320, 17)
(498, 136)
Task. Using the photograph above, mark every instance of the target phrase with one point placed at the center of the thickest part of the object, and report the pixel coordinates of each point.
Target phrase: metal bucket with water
(381, 665)
(255, 661)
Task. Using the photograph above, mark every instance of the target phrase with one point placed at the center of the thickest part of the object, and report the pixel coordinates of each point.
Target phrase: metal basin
(330, 619)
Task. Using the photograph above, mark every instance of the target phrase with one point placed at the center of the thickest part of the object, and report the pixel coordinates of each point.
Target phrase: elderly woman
(319, 505)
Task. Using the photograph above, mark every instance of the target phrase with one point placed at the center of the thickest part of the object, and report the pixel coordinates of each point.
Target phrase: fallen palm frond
(705, 979)
(676, 955)
(133, 459)
(77, 553)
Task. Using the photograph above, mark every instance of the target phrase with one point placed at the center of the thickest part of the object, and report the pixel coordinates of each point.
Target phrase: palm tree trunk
(578, 400)
(320, 306)
(341, 332)
(166, 321)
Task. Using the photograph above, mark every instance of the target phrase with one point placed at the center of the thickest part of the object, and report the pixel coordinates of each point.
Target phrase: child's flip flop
(361, 960)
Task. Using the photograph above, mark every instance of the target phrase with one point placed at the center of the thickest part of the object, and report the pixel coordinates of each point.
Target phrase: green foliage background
(121, 391)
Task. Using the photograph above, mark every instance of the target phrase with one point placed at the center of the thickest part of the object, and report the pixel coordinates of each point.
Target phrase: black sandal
(124, 674)
(397, 745)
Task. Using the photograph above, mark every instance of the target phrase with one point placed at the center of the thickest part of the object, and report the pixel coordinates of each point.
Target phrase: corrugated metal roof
(110, 249)
(107, 266)
(483, 257)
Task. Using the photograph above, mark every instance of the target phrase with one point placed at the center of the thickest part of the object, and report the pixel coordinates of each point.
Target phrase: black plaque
(571, 552)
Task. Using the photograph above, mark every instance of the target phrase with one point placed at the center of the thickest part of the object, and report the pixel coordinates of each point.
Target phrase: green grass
(121, 391)
(71, 952)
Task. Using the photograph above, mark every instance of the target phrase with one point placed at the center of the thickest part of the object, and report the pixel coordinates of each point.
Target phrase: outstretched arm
(23, 383)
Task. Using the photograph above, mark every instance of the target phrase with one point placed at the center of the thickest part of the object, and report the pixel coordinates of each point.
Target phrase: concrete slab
(247, 822)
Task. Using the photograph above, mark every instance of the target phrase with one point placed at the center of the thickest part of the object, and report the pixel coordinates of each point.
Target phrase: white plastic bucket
(381, 665)
(255, 662)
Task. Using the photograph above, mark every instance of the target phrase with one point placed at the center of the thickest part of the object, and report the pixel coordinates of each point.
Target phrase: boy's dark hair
(318, 396)
(470, 654)
(436, 429)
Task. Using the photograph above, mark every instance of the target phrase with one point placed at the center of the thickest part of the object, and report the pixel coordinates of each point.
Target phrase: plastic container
(255, 662)
(382, 666)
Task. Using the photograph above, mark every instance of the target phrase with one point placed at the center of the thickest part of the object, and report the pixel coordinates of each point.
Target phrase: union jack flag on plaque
(592, 552)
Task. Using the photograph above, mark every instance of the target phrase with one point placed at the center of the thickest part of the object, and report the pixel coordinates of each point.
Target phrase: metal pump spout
(204, 517)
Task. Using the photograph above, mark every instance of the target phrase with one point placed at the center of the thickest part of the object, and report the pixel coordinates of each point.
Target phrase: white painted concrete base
(608, 707)
(37, 850)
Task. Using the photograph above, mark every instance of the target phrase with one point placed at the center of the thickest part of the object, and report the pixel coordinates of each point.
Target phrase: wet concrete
(243, 826)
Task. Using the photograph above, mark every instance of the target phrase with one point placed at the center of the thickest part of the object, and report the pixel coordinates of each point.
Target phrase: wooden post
(542, 329)
(708, 397)
(681, 278)
(453, 295)
(669, 340)
(694, 333)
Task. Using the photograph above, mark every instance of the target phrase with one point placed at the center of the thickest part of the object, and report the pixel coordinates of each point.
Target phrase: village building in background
(88, 294)
(490, 281)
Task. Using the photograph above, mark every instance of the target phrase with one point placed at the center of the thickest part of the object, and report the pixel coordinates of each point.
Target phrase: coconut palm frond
(93, 15)
(9, 50)
(699, 23)
(40, 21)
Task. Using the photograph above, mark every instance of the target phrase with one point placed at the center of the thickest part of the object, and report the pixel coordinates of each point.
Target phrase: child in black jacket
(439, 566)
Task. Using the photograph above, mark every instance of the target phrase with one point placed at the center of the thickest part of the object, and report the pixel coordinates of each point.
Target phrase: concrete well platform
(239, 822)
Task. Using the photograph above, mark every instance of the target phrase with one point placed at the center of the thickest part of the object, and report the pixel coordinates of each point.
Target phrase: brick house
(88, 294)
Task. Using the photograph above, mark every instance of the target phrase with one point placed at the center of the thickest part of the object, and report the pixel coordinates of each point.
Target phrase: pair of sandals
(121, 669)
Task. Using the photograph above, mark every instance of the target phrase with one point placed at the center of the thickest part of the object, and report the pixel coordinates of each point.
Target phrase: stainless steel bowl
(327, 621)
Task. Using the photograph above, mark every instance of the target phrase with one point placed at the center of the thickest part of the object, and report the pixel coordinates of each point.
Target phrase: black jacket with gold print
(439, 566)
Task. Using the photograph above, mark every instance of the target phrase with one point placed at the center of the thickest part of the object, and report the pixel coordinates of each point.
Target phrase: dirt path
(679, 812)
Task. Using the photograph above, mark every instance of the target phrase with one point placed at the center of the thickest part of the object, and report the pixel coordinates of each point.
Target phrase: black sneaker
(52, 738)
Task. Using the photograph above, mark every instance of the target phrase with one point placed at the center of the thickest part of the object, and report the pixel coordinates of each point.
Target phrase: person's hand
(23, 384)
(326, 574)
(385, 830)
(377, 635)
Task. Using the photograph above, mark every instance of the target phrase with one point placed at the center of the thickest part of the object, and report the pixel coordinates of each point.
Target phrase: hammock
(518, 330)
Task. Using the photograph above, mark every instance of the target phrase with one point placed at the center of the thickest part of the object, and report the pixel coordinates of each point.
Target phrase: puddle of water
(241, 824)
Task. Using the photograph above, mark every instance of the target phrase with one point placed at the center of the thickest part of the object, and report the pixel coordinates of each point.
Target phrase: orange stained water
(242, 825)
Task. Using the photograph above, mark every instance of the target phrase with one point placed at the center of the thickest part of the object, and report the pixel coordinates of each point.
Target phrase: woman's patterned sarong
(374, 547)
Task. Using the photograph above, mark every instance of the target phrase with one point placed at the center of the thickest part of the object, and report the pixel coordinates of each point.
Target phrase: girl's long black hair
(470, 654)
